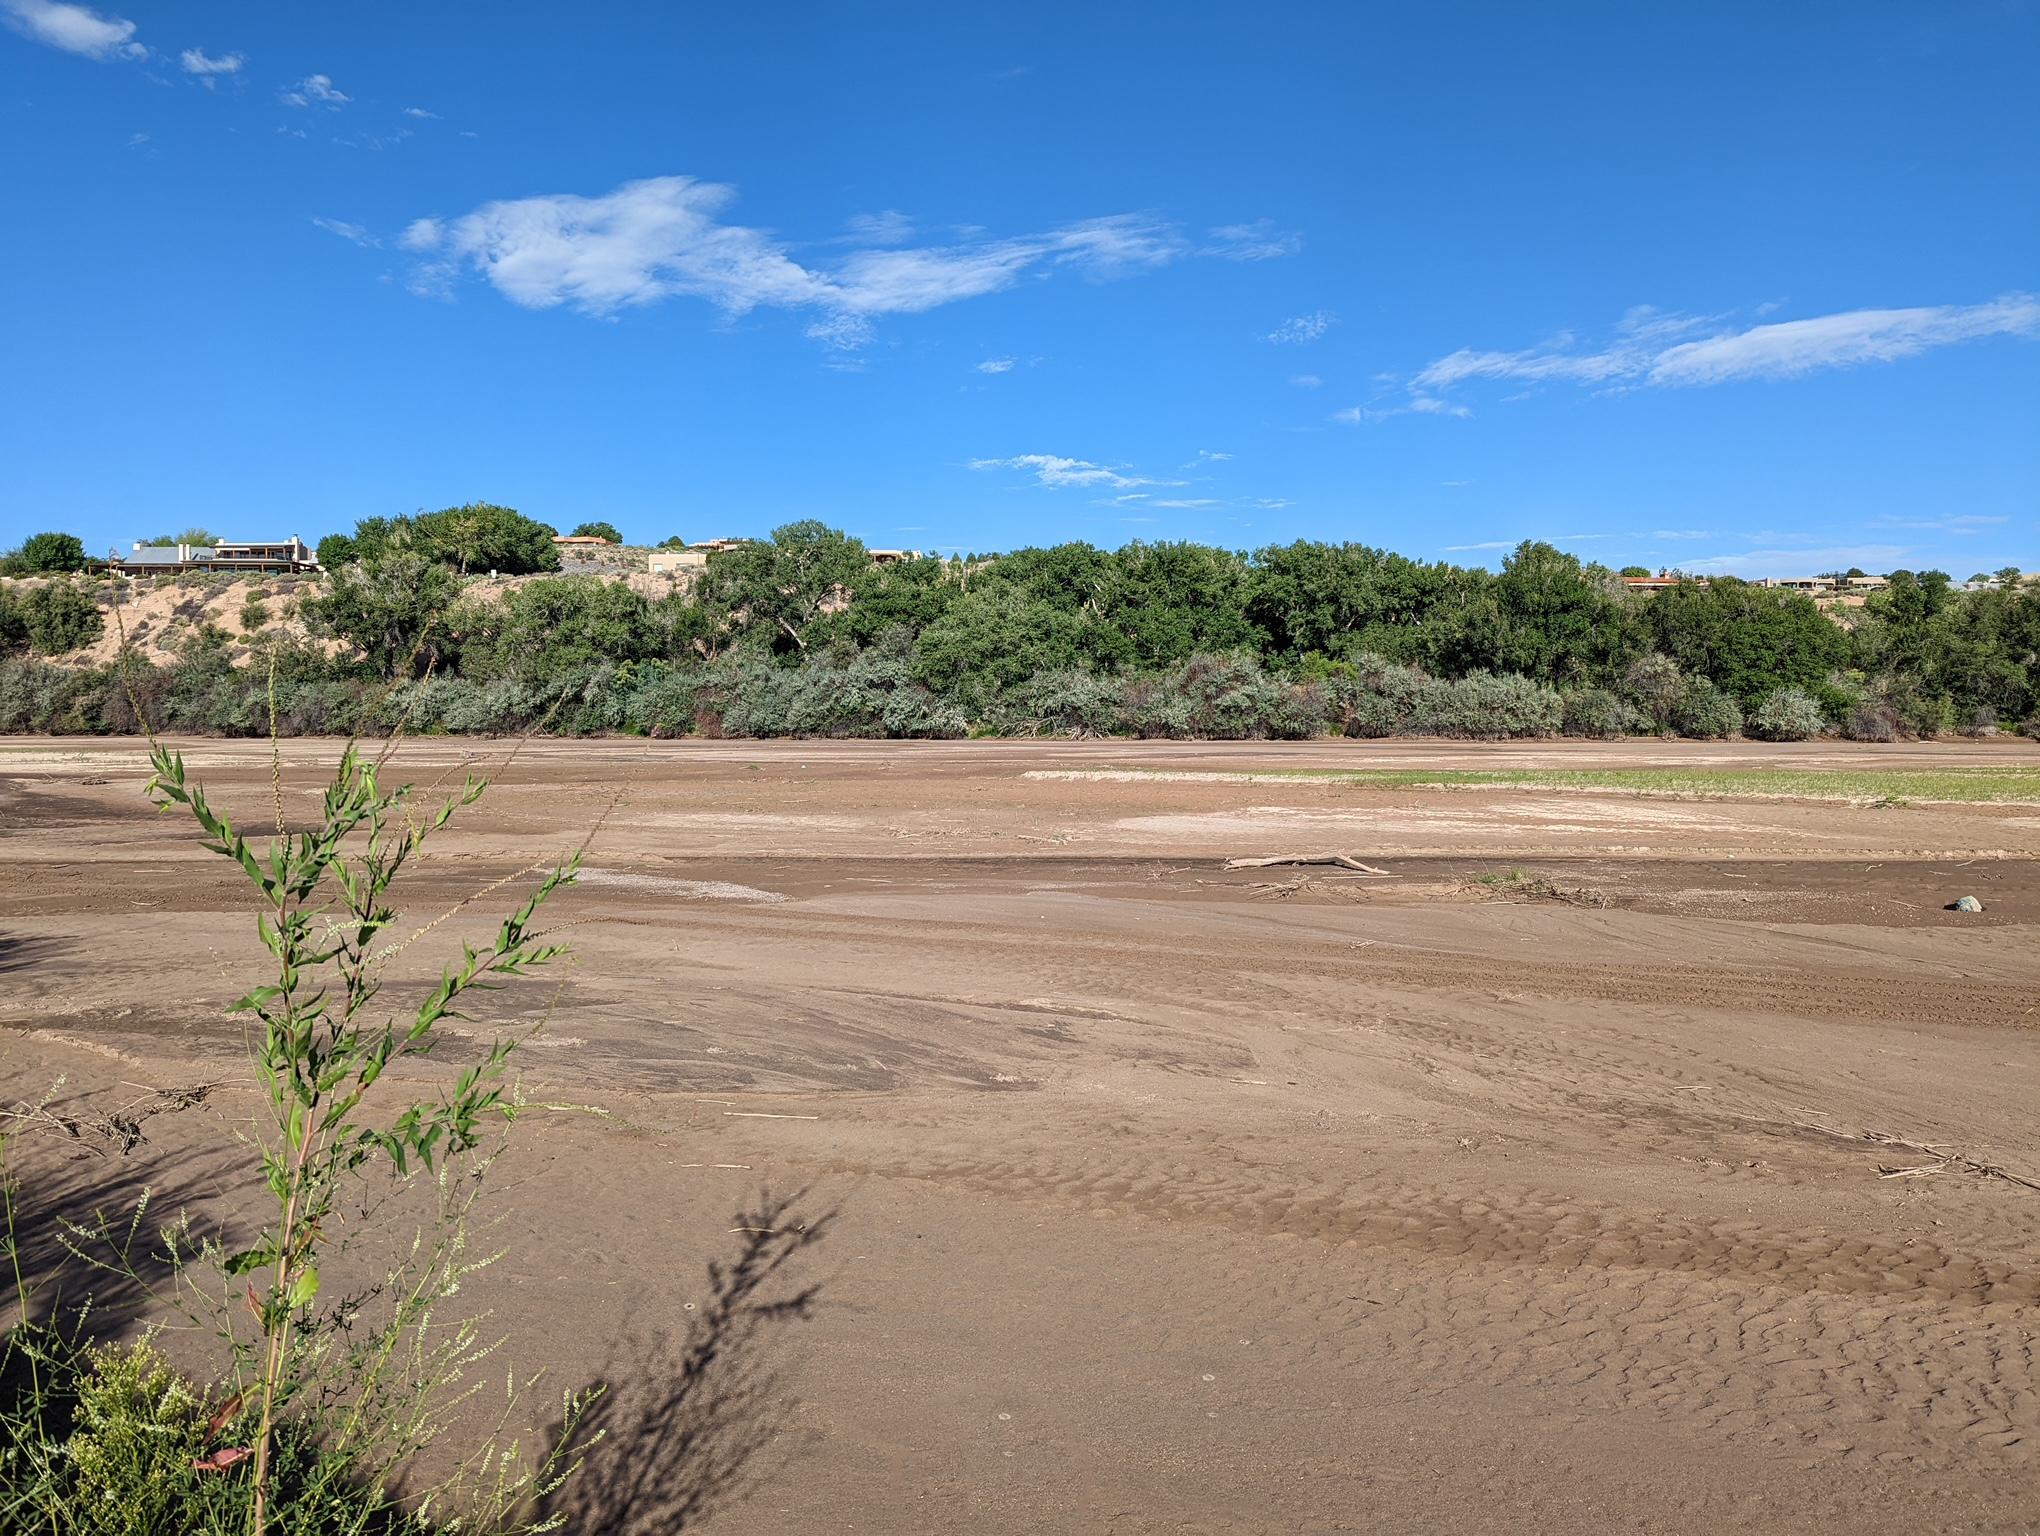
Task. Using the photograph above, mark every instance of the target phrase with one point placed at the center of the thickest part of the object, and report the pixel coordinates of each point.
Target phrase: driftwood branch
(1340, 859)
(1944, 1160)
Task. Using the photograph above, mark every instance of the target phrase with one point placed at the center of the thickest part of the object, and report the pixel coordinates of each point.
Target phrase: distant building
(717, 546)
(1824, 586)
(579, 540)
(291, 554)
(892, 556)
(671, 562)
(1659, 582)
(1799, 583)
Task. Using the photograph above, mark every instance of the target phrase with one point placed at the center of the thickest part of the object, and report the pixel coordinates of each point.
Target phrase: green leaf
(304, 1288)
(248, 1261)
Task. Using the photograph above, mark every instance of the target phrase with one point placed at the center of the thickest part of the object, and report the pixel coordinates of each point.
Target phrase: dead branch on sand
(1343, 861)
(120, 1129)
(1944, 1160)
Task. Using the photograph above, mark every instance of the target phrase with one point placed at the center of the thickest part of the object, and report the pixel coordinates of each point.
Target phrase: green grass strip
(2010, 785)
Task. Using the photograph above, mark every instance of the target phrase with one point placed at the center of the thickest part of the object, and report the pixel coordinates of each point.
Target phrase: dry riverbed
(1577, 1168)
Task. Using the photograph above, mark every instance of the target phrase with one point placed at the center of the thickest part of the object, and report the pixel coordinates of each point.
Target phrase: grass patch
(2007, 785)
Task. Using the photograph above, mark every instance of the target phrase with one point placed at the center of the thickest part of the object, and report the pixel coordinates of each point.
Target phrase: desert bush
(1922, 711)
(58, 616)
(1597, 712)
(1982, 721)
(1299, 711)
(1065, 701)
(1654, 684)
(1377, 697)
(1224, 698)
(1871, 720)
(49, 700)
(1705, 712)
(667, 701)
(1151, 709)
(13, 627)
(1482, 704)
(1787, 714)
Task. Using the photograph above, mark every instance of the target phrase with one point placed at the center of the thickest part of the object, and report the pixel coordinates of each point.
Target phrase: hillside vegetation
(805, 634)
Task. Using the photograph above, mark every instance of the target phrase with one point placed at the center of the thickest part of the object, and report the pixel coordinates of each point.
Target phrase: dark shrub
(51, 554)
(59, 617)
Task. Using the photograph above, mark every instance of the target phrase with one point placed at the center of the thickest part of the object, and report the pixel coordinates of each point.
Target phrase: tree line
(804, 632)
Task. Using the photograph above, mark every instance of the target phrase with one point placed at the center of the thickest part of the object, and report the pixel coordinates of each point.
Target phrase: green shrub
(1787, 714)
(13, 627)
(1066, 701)
(1599, 713)
(1871, 720)
(59, 617)
(139, 1427)
(389, 610)
(1980, 722)
(876, 694)
(471, 539)
(1482, 704)
(52, 554)
(556, 628)
(1379, 698)
(1654, 684)
(598, 531)
(1705, 712)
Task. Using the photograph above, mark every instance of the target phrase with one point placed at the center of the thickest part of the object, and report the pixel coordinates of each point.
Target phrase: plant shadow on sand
(23, 954)
(87, 1219)
(692, 1421)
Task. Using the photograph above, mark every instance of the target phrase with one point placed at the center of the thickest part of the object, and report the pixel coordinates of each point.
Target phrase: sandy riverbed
(1183, 1199)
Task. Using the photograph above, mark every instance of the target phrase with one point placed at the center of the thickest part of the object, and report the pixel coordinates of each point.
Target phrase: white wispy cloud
(1667, 350)
(1306, 380)
(74, 28)
(420, 112)
(888, 228)
(1416, 404)
(347, 231)
(1258, 241)
(1966, 523)
(194, 61)
(1490, 544)
(1061, 474)
(1304, 328)
(658, 238)
(996, 365)
(319, 88)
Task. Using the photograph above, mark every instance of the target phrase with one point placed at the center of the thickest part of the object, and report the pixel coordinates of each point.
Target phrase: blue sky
(1730, 287)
